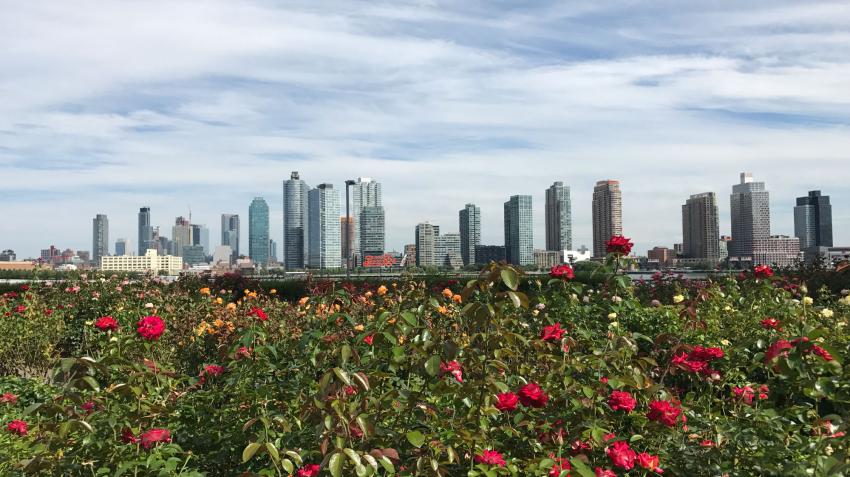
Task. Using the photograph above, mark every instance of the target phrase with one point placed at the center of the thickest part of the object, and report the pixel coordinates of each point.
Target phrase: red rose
(705, 354)
(745, 393)
(822, 353)
(506, 402)
(621, 401)
(561, 464)
(88, 406)
(663, 412)
(213, 370)
(309, 470)
(128, 437)
(532, 395)
(490, 457)
(155, 436)
(259, 313)
(621, 455)
(369, 339)
(563, 272)
(20, 308)
(453, 368)
(552, 332)
(244, 352)
(18, 427)
(763, 271)
(778, 348)
(600, 472)
(649, 462)
(150, 327)
(619, 245)
(770, 324)
(9, 398)
(106, 323)
(579, 447)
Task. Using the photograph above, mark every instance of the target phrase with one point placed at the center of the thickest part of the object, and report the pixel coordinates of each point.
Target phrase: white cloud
(115, 105)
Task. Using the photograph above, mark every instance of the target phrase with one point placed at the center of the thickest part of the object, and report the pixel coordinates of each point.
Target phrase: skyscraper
(607, 215)
(426, 241)
(701, 228)
(181, 235)
(258, 231)
(813, 220)
(346, 231)
(367, 193)
(325, 247)
(470, 232)
(100, 238)
(750, 207)
(447, 251)
(559, 218)
(145, 231)
(201, 236)
(230, 233)
(272, 251)
(120, 247)
(295, 226)
(371, 231)
(519, 238)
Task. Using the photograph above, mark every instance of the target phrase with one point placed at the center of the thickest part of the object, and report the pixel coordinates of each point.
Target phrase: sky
(108, 106)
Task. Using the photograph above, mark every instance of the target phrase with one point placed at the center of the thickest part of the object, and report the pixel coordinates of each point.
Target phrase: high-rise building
(701, 228)
(146, 240)
(194, 255)
(272, 251)
(346, 232)
(230, 233)
(120, 247)
(484, 254)
(447, 251)
(519, 237)
(201, 236)
(371, 231)
(426, 241)
(409, 257)
(258, 231)
(295, 224)
(366, 193)
(750, 207)
(607, 215)
(100, 238)
(470, 232)
(181, 235)
(325, 248)
(813, 220)
(559, 218)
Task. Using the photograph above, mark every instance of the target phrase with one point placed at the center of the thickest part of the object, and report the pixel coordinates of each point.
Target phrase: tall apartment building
(324, 244)
(181, 235)
(100, 238)
(519, 236)
(346, 232)
(295, 223)
(121, 247)
(371, 231)
(201, 236)
(230, 233)
(447, 250)
(559, 228)
(813, 220)
(750, 208)
(366, 193)
(146, 240)
(701, 228)
(258, 232)
(607, 214)
(426, 241)
(470, 232)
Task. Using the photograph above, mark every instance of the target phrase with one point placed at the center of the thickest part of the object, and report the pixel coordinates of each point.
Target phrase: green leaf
(335, 465)
(415, 438)
(345, 354)
(343, 376)
(410, 318)
(510, 278)
(581, 468)
(432, 366)
(273, 451)
(249, 451)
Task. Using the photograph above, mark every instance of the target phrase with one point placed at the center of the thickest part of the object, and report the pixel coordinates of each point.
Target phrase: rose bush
(504, 375)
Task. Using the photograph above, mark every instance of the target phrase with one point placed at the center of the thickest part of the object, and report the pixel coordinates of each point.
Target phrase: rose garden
(504, 375)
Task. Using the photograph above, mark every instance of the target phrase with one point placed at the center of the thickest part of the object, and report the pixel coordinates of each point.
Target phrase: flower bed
(106, 376)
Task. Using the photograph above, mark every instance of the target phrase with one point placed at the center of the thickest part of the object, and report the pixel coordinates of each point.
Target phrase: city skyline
(462, 102)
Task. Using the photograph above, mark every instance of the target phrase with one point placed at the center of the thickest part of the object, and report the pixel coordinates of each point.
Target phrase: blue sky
(112, 105)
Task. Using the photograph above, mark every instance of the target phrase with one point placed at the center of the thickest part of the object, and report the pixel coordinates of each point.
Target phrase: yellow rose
(807, 300)
(612, 316)
(382, 290)
(678, 299)
(826, 313)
